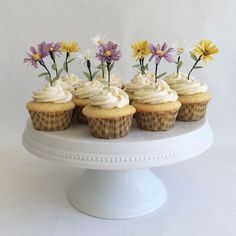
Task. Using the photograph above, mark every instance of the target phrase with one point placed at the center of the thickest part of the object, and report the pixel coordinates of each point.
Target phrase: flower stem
(109, 76)
(199, 59)
(52, 55)
(177, 71)
(41, 62)
(156, 72)
(103, 72)
(141, 62)
(67, 56)
(89, 69)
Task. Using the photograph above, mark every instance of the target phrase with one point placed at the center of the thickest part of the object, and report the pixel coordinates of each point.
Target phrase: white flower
(87, 55)
(182, 47)
(99, 39)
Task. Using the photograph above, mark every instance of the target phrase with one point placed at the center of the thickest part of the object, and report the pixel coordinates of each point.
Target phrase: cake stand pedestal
(117, 182)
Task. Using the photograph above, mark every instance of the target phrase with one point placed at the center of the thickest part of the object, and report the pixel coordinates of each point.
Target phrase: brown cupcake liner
(80, 117)
(51, 121)
(110, 128)
(192, 111)
(156, 121)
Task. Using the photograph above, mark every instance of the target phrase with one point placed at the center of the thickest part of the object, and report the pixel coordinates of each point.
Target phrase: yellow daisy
(206, 49)
(69, 46)
(141, 49)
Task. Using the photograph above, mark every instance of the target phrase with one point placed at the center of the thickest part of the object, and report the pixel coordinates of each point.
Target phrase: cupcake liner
(192, 111)
(81, 118)
(51, 121)
(156, 121)
(110, 128)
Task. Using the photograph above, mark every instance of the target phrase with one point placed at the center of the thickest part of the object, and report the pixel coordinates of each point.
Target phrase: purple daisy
(160, 52)
(108, 52)
(36, 56)
(54, 48)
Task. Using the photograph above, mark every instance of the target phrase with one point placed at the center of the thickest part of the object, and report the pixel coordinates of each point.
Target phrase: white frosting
(180, 83)
(88, 89)
(69, 82)
(115, 79)
(110, 97)
(54, 94)
(139, 81)
(156, 93)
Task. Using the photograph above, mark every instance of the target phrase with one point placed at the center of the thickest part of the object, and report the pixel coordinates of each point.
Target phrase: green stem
(41, 62)
(67, 56)
(199, 59)
(141, 62)
(89, 69)
(108, 71)
(156, 72)
(52, 55)
(103, 72)
(178, 64)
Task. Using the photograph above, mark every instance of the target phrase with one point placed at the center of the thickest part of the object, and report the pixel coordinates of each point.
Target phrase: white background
(202, 191)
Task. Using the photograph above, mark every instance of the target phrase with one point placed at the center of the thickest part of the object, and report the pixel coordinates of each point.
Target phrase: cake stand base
(117, 194)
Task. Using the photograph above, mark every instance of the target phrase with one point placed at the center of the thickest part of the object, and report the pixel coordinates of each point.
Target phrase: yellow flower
(141, 49)
(206, 49)
(69, 46)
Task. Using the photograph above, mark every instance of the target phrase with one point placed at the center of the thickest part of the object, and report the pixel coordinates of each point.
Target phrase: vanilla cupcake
(51, 108)
(192, 94)
(156, 107)
(115, 79)
(70, 82)
(82, 94)
(109, 114)
(139, 81)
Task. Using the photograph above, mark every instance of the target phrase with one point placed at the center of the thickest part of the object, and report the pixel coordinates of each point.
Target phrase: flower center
(108, 53)
(36, 56)
(205, 53)
(181, 50)
(160, 52)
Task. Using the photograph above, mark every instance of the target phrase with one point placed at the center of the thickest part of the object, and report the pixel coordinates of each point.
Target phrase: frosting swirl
(137, 82)
(88, 89)
(110, 97)
(180, 83)
(156, 93)
(69, 82)
(115, 79)
(52, 93)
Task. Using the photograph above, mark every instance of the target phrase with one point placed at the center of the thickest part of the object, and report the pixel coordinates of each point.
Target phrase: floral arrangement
(54, 49)
(158, 52)
(204, 51)
(140, 51)
(108, 53)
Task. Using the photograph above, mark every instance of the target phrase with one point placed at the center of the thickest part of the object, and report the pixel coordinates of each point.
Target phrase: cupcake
(51, 108)
(156, 107)
(192, 94)
(69, 82)
(139, 81)
(82, 93)
(109, 113)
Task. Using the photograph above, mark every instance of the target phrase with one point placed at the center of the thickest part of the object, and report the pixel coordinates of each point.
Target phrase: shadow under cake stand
(118, 183)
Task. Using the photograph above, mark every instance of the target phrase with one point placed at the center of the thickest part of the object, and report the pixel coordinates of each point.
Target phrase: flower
(87, 55)
(206, 49)
(54, 48)
(160, 52)
(99, 39)
(37, 55)
(108, 52)
(181, 47)
(69, 46)
(141, 49)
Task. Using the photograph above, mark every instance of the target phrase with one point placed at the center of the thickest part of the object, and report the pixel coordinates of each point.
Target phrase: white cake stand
(117, 183)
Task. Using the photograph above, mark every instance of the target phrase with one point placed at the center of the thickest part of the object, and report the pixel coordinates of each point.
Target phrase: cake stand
(118, 183)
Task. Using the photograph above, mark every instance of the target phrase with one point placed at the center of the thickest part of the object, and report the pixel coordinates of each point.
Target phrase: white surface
(202, 191)
(118, 194)
(139, 149)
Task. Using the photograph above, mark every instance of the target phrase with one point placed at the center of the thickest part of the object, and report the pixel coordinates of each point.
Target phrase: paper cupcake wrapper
(51, 121)
(81, 118)
(110, 128)
(156, 121)
(192, 112)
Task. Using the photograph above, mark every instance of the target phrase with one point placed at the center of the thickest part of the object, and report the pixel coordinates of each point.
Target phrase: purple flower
(160, 52)
(108, 52)
(54, 48)
(37, 55)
